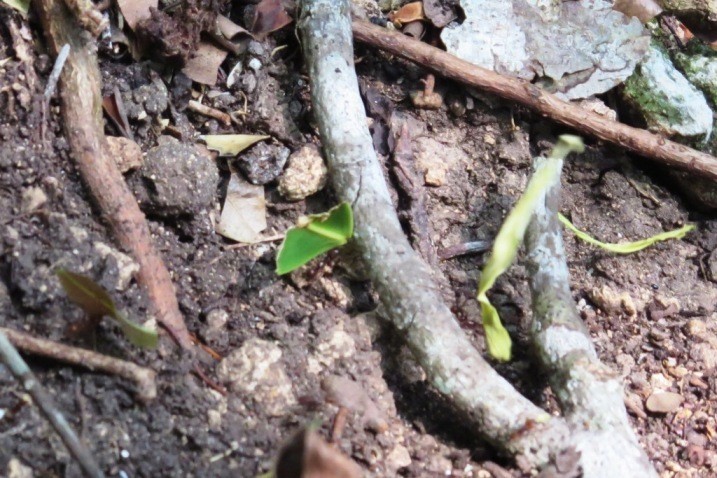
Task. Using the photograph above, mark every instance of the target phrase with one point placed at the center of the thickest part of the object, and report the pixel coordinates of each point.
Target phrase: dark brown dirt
(652, 314)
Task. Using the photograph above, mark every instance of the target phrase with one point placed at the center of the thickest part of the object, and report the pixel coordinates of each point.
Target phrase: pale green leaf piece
(313, 235)
(231, 144)
(96, 302)
(626, 247)
(23, 6)
(509, 238)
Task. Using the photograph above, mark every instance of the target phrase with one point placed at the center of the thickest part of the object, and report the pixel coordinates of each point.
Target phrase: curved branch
(82, 111)
(589, 393)
(408, 293)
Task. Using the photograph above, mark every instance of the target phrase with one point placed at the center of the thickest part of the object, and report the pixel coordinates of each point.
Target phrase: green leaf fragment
(139, 335)
(509, 238)
(313, 235)
(96, 302)
(627, 247)
(23, 6)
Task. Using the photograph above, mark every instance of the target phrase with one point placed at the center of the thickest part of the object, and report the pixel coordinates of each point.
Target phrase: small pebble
(664, 402)
(255, 64)
(305, 174)
(696, 328)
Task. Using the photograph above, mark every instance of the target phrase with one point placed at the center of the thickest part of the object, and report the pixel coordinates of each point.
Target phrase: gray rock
(150, 99)
(530, 39)
(701, 70)
(176, 179)
(263, 163)
(667, 101)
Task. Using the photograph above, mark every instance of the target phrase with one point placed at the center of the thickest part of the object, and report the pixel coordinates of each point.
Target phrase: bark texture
(589, 393)
(410, 297)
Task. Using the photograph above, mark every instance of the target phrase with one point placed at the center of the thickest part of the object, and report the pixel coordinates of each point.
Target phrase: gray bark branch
(596, 424)
(589, 393)
(408, 293)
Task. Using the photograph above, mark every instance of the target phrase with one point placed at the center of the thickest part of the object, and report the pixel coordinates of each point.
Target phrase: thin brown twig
(636, 140)
(82, 117)
(205, 110)
(17, 366)
(142, 377)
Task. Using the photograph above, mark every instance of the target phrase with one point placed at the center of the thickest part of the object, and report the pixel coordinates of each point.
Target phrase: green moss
(701, 70)
(653, 105)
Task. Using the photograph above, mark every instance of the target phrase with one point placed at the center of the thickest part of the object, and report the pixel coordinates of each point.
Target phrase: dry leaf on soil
(307, 455)
(244, 212)
(231, 144)
(229, 29)
(203, 66)
(269, 17)
(411, 12)
(134, 11)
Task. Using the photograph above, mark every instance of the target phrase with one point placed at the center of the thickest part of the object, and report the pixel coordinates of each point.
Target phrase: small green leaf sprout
(313, 235)
(96, 302)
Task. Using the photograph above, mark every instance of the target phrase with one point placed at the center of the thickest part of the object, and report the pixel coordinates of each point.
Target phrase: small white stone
(16, 469)
(33, 199)
(255, 64)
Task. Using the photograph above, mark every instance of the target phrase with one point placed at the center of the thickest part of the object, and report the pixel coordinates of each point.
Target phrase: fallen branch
(82, 116)
(636, 140)
(404, 282)
(11, 358)
(142, 377)
(589, 393)
(412, 302)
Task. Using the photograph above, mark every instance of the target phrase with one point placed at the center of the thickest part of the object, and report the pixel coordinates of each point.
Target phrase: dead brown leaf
(203, 66)
(269, 17)
(229, 29)
(114, 109)
(134, 11)
(410, 12)
(307, 455)
(644, 10)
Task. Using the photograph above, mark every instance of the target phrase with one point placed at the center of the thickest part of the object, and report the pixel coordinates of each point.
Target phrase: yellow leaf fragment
(626, 247)
(22, 6)
(231, 144)
(509, 238)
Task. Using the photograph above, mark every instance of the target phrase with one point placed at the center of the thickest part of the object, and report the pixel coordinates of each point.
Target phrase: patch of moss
(653, 105)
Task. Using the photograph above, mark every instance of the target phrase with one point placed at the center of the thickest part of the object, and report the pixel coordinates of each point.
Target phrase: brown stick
(10, 357)
(636, 140)
(82, 111)
(144, 378)
(205, 110)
